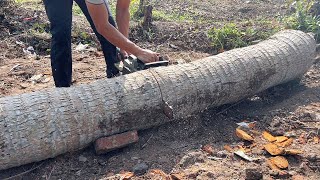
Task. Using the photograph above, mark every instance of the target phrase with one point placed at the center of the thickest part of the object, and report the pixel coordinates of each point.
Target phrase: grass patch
(246, 33)
(303, 19)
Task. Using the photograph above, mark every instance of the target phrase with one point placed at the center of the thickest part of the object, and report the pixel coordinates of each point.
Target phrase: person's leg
(109, 50)
(59, 13)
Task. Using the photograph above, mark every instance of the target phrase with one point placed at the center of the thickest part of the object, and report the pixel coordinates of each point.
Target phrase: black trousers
(59, 13)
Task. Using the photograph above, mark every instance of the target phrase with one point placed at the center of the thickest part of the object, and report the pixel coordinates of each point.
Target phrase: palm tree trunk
(41, 125)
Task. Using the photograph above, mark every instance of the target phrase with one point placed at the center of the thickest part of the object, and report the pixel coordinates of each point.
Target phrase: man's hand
(148, 56)
(98, 12)
(124, 53)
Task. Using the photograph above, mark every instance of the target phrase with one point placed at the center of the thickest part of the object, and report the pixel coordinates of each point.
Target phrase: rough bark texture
(147, 20)
(44, 124)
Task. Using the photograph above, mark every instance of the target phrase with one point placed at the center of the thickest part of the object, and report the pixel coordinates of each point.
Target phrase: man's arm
(123, 16)
(98, 13)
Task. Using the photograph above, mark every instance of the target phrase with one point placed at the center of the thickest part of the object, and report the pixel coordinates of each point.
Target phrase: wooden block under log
(107, 144)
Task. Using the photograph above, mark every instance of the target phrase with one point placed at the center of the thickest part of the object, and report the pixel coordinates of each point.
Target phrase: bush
(227, 37)
(303, 19)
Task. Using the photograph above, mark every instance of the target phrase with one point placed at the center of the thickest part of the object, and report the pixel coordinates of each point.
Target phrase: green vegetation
(233, 36)
(227, 37)
(77, 10)
(302, 19)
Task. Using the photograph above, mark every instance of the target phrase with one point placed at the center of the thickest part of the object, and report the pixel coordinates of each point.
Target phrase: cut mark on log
(166, 108)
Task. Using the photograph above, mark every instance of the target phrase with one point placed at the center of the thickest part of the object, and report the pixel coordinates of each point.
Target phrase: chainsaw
(131, 64)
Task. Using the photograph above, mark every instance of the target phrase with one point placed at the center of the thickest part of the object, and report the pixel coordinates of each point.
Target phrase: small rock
(253, 174)
(135, 158)
(274, 173)
(222, 154)
(102, 162)
(292, 173)
(303, 168)
(83, 159)
(78, 173)
(312, 157)
(24, 85)
(258, 152)
(140, 169)
(275, 122)
(110, 174)
(191, 159)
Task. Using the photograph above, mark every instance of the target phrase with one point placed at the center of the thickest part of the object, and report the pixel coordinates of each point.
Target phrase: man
(99, 16)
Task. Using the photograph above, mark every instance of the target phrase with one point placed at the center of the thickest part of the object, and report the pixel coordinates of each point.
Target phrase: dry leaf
(272, 165)
(316, 139)
(228, 148)
(286, 143)
(281, 139)
(159, 172)
(243, 135)
(275, 167)
(293, 152)
(221, 50)
(126, 175)
(273, 149)
(268, 136)
(177, 176)
(207, 148)
(49, 73)
(280, 162)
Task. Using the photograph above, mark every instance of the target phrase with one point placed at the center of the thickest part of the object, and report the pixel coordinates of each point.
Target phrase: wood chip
(268, 136)
(280, 161)
(280, 139)
(302, 139)
(159, 172)
(126, 175)
(177, 176)
(272, 165)
(293, 152)
(243, 135)
(316, 140)
(208, 149)
(228, 148)
(286, 143)
(243, 155)
(273, 149)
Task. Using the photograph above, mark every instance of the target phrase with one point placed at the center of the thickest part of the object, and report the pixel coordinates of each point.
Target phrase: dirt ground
(292, 109)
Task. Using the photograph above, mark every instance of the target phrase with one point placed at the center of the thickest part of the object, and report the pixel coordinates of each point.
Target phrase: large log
(41, 125)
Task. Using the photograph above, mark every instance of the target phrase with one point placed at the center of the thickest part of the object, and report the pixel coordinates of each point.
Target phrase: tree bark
(147, 19)
(140, 12)
(41, 125)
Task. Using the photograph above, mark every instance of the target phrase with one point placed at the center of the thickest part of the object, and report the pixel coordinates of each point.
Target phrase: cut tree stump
(40, 125)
